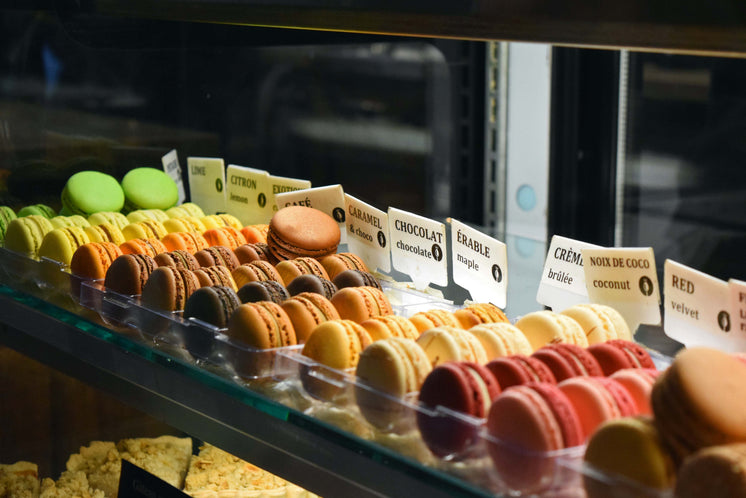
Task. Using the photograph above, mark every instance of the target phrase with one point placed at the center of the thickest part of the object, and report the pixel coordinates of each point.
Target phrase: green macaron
(6, 215)
(149, 188)
(37, 209)
(88, 192)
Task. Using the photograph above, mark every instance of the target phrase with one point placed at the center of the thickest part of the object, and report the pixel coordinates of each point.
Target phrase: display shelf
(303, 450)
(717, 27)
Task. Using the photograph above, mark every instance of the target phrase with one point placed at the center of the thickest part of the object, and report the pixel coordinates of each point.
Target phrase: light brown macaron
(478, 313)
(292, 268)
(307, 310)
(435, 317)
(217, 255)
(361, 303)
(713, 472)
(383, 327)
(168, 288)
(261, 325)
(256, 271)
(215, 275)
(302, 231)
(337, 263)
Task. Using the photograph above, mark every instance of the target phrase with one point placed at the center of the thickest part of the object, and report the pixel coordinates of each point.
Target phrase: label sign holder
(207, 183)
(248, 191)
(563, 279)
(418, 246)
(368, 233)
(172, 168)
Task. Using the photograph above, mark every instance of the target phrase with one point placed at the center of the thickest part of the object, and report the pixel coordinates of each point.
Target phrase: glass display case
(615, 126)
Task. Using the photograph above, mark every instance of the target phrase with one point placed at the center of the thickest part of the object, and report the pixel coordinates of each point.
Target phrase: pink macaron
(526, 425)
(462, 387)
(515, 370)
(596, 400)
(617, 354)
(639, 383)
(568, 360)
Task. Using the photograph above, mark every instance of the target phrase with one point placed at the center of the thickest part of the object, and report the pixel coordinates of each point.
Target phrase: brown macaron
(297, 231)
(217, 255)
(261, 325)
(292, 268)
(246, 253)
(361, 303)
(337, 263)
(312, 283)
(355, 278)
(215, 275)
(256, 271)
(213, 304)
(168, 288)
(129, 273)
(306, 311)
(178, 259)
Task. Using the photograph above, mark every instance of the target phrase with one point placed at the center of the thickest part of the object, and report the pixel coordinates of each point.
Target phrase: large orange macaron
(302, 231)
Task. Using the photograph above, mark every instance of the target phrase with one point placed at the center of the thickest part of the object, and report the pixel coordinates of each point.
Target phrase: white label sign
(480, 264)
(563, 279)
(418, 248)
(625, 279)
(248, 190)
(368, 234)
(280, 185)
(173, 169)
(737, 290)
(696, 307)
(207, 183)
(329, 199)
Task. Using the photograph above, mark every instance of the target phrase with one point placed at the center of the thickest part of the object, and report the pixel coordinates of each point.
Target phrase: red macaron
(568, 360)
(519, 369)
(617, 354)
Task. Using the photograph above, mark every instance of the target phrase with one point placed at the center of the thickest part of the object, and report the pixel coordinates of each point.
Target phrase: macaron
(312, 283)
(105, 232)
(443, 344)
(292, 268)
(382, 327)
(337, 344)
(568, 360)
(184, 224)
(6, 214)
(151, 247)
(630, 447)
(334, 264)
(178, 259)
(148, 229)
(616, 354)
(261, 325)
(395, 367)
(302, 231)
(185, 209)
(546, 327)
(25, 235)
(436, 317)
(599, 322)
(69, 221)
(128, 273)
(91, 262)
(38, 210)
(477, 313)
(255, 233)
(307, 310)
(88, 192)
(215, 275)
(214, 305)
(168, 288)
(519, 369)
(114, 217)
(716, 471)
(246, 253)
(141, 215)
(186, 241)
(355, 278)
(596, 400)
(221, 220)
(462, 387)
(226, 236)
(700, 401)
(501, 339)
(639, 383)
(525, 424)
(217, 255)
(148, 188)
(267, 290)
(60, 244)
(256, 271)
(360, 303)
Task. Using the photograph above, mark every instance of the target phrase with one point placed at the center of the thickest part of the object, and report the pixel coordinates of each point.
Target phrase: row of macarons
(694, 442)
